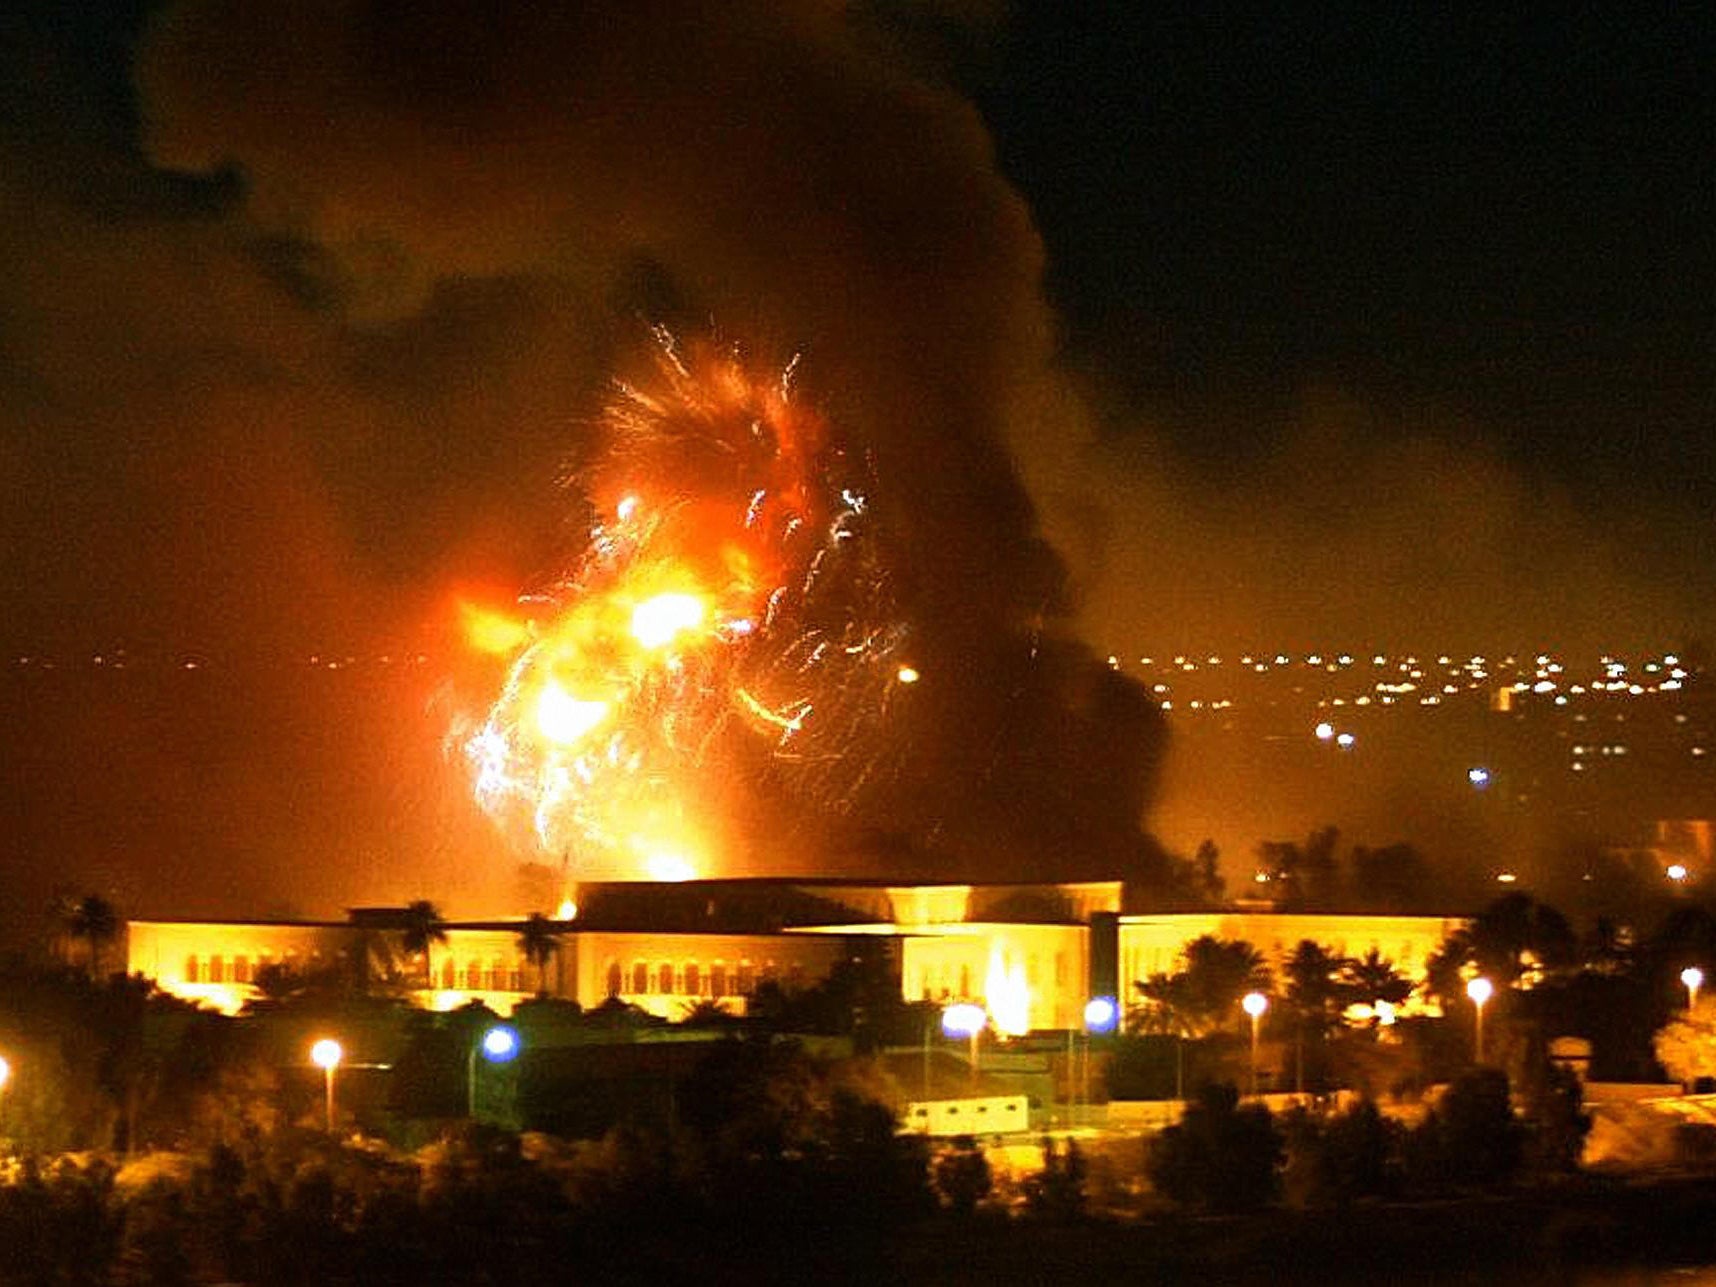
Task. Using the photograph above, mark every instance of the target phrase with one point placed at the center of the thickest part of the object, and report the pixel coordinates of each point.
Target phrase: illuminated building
(1033, 954)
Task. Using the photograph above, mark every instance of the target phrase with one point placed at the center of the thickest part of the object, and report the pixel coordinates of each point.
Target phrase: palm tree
(1315, 997)
(539, 940)
(423, 928)
(93, 920)
(1218, 972)
(1372, 978)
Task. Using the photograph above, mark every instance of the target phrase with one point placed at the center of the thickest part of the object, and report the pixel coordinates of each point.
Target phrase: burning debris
(728, 625)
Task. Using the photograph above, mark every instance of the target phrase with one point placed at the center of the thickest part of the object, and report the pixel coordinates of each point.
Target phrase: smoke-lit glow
(725, 631)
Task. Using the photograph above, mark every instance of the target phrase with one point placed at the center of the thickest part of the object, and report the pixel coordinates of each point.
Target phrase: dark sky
(1393, 277)
(1314, 328)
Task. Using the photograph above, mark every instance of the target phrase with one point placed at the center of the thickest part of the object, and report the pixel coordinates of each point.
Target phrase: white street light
(326, 1055)
(1693, 978)
(1480, 990)
(1254, 1004)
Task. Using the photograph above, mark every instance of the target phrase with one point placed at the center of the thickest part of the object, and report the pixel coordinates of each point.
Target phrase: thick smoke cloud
(1357, 526)
(305, 344)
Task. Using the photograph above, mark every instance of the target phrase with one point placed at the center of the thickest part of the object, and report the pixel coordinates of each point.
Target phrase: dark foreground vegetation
(144, 1141)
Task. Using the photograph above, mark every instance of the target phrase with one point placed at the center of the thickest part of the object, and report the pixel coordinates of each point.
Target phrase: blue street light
(1100, 1016)
(499, 1045)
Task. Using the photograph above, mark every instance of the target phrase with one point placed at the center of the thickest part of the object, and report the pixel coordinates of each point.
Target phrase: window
(747, 979)
(449, 974)
(515, 978)
(474, 976)
(640, 979)
(664, 979)
(615, 979)
(718, 979)
(191, 968)
(693, 979)
(497, 973)
(241, 969)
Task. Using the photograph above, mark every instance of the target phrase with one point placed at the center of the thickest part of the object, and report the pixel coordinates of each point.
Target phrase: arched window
(497, 974)
(515, 977)
(217, 969)
(191, 968)
(747, 979)
(474, 976)
(693, 979)
(449, 974)
(640, 978)
(664, 979)
(241, 969)
(718, 979)
(615, 979)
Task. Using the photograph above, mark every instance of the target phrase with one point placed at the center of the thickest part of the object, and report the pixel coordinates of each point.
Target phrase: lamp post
(326, 1055)
(1254, 1004)
(1693, 978)
(1101, 1015)
(1479, 990)
(499, 1045)
(966, 1019)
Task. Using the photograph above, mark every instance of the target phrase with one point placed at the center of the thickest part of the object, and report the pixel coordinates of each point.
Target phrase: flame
(729, 608)
(1006, 995)
(491, 632)
(565, 719)
(658, 621)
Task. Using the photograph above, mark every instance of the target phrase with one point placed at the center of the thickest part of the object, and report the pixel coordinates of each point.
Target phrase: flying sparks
(727, 628)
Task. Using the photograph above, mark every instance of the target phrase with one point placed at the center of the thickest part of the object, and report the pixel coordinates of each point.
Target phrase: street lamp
(966, 1019)
(499, 1045)
(5, 1072)
(326, 1055)
(1101, 1017)
(1693, 978)
(1480, 990)
(1254, 1004)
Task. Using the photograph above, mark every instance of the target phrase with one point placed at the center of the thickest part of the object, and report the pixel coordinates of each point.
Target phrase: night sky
(1381, 328)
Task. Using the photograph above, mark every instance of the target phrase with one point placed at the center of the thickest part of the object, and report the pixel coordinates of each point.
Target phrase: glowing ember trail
(725, 635)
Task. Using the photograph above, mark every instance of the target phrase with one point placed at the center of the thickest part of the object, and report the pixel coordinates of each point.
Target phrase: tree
(1686, 1047)
(423, 928)
(1221, 1155)
(1471, 1137)
(1515, 942)
(539, 940)
(1314, 996)
(1304, 875)
(1372, 978)
(1206, 865)
(1218, 972)
(92, 921)
(1199, 998)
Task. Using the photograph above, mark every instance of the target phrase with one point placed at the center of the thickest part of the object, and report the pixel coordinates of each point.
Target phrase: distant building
(1033, 954)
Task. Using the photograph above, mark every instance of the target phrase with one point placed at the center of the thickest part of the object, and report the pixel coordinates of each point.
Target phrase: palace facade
(1033, 954)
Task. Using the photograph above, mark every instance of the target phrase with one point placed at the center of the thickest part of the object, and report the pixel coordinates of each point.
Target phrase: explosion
(726, 630)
